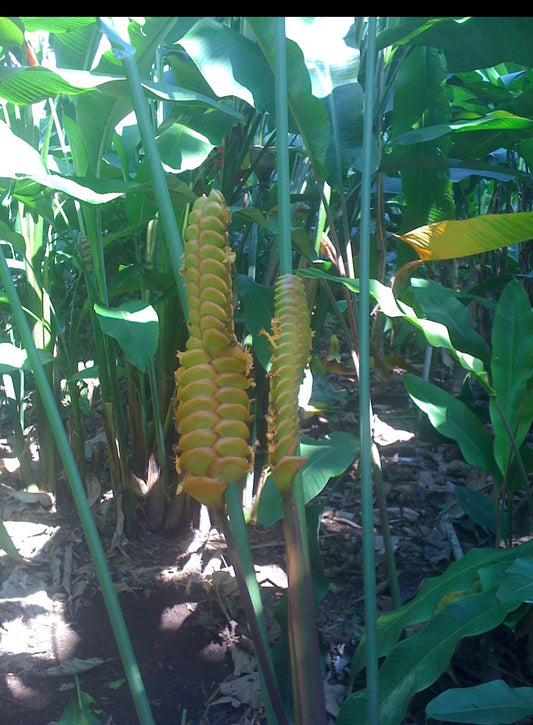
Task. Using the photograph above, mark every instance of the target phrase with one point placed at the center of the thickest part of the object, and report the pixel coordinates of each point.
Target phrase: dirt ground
(181, 603)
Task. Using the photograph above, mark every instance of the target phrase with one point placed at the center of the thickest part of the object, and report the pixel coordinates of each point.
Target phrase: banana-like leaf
(442, 305)
(460, 238)
(512, 371)
(326, 458)
(416, 662)
(436, 333)
(457, 578)
(518, 581)
(491, 703)
(135, 325)
(453, 419)
(21, 160)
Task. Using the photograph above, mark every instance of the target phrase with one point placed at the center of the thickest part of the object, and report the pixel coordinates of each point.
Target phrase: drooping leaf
(518, 582)
(460, 238)
(442, 305)
(480, 508)
(491, 703)
(457, 578)
(512, 370)
(453, 419)
(20, 160)
(327, 458)
(135, 326)
(417, 661)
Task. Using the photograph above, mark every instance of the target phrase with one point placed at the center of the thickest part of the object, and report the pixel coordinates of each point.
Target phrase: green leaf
(6, 543)
(450, 239)
(453, 419)
(11, 32)
(182, 149)
(457, 578)
(491, 703)
(258, 305)
(441, 304)
(25, 162)
(308, 115)
(435, 333)
(480, 508)
(416, 662)
(512, 370)
(135, 326)
(480, 42)
(13, 358)
(512, 127)
(326, 458)
(517, 585)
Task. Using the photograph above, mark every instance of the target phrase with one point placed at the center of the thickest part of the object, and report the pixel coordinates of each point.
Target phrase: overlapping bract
(213, 407)
(291, 342)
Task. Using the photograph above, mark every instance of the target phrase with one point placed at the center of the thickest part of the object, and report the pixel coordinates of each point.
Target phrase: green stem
(307, 680)
(238, 544)
(369, 562)
(78, 492)
(282, 148)
(308, 688)
(153, 159)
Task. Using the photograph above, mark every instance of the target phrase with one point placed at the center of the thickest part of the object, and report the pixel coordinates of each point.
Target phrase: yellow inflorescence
(291, 341)
(213, 407)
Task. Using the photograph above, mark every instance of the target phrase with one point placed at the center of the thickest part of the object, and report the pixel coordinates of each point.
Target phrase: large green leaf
(453, 419)
(491, 703)
(480, 42)
(460, 238)
(11, 32)
(504, 128)
(327, 458)
(517, 582)
(20, 160)
(435, 333)
(456, 579)
(135, 326)
(416, 662)
(309, 114)
(420, 100)
(442, 305)
(512, 370)
(182, 149)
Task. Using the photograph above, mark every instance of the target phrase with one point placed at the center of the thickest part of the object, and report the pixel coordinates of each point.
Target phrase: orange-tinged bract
(291, 342)
(212, 404)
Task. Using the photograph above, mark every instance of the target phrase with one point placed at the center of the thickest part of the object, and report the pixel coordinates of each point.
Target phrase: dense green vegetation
(397, 171)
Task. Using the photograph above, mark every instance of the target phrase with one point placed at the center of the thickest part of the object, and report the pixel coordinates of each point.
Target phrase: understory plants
(193, 210)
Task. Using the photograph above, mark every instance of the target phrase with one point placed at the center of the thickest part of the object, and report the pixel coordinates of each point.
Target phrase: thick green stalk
(238, 544)
(282, 149)
(369, 562)
(78, 492)
(308, 688)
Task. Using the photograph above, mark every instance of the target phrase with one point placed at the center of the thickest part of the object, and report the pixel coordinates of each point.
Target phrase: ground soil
(181, 604)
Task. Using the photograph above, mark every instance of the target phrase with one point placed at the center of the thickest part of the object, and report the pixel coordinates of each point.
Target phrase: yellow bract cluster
(213, 407)
(291, 341)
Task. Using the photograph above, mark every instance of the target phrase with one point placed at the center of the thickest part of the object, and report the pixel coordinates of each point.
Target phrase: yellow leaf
(449, 239)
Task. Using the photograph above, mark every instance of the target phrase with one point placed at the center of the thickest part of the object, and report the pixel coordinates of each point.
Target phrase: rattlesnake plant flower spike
(291, 342)
(212, 405)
